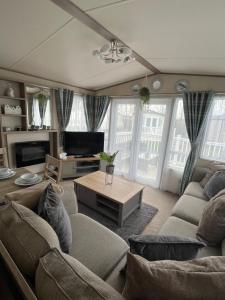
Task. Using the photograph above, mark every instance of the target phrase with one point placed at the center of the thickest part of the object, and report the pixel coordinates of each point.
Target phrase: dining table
(8, 185)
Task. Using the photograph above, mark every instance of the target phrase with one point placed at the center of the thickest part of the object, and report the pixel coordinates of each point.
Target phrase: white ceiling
(184, 36)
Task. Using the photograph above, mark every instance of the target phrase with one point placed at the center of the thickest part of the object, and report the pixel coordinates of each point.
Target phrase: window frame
(207, 127)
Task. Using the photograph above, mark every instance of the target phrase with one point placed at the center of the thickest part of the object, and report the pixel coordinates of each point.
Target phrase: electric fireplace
(31, 153)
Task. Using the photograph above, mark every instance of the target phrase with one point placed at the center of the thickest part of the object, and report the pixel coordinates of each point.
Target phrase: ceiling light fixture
(114, 52)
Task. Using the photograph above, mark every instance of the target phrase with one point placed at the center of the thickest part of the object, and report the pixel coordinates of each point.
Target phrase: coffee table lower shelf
(116, 211)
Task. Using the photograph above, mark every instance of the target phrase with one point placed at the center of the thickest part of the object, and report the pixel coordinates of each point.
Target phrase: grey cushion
(95, 246)
(26, 236)
(189, 208)
(175, 280)
(60, 276)
(194, 189)
(215, 184)
(206, 178)
(179, 227)
(51, 208)
(160, 247)
(212, 225)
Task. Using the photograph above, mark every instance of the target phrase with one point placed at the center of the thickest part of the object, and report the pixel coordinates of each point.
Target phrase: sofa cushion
(174, 280)
(215, 184)
(60, 276)
(211, 228)
(117, 277)
(189, 208)
(206, 178)
(51, 208)
(194, 189)
(95, 246)
(179, 227)
(69, 197)
(161, 247)
(25, 235)
(28, 197)
(199, 173)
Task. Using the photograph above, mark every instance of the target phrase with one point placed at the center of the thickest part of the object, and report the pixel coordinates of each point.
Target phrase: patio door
(153, 135)
(140, 133)
(123, 129)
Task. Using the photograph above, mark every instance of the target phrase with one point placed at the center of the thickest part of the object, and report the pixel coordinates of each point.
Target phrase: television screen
(83, 143)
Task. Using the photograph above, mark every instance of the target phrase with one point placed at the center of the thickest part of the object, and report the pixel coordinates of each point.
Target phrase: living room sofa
(104, 253)
(96, 247)
(187, 212)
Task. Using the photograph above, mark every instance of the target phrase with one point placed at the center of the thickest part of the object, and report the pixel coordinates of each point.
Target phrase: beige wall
(168, 84)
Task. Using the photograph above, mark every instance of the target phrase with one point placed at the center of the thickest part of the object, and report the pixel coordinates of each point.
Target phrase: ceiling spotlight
(115, 52)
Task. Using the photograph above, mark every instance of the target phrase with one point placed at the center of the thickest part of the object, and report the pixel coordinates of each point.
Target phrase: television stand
(74, 167)
(81, 156)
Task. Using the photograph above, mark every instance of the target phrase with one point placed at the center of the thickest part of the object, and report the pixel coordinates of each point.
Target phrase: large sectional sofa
(187, 212)
(104, 253)
(96, 247)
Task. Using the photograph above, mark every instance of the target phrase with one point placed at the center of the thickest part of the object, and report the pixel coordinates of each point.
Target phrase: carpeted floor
(134, 224)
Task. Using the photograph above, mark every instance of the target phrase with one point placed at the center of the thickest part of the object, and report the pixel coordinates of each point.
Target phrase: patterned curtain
(95, 108)
(64, 102)
(196, 109)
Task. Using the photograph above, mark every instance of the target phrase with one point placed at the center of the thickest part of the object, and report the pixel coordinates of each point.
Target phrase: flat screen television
(83, 143)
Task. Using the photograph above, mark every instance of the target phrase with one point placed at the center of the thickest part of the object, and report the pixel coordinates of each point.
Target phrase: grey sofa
(96, 247)
(188, 210)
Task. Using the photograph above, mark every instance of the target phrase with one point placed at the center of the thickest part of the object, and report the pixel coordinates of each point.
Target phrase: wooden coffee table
(116, 201)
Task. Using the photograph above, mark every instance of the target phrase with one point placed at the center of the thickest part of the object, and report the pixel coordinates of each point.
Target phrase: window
(179, 143)
(36, 119)
(141, 148)
(213, 147)
(105, 128)
(77, 118)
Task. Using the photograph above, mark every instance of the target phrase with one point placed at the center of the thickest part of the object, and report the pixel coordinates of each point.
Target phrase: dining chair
(53, 169)
(3, 158)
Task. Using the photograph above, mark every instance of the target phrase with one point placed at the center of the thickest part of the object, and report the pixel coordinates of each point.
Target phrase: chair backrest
(3, 158)
(53, 169)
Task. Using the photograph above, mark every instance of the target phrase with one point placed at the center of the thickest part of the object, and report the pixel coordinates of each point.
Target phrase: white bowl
(29, 177)
(4, 171)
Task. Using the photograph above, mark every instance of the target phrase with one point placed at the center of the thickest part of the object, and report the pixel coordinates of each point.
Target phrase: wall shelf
(28, 131)
(12, 98)
(21, 121)
(13, 115)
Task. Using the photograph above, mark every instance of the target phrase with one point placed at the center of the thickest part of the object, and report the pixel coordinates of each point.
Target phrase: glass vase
(109, 174)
